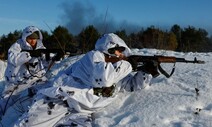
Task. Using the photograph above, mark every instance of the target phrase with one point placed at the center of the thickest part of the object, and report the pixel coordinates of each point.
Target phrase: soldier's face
(32, 41)
(119, 53)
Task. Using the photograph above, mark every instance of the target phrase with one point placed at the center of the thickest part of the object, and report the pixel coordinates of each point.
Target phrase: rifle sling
(164, 72)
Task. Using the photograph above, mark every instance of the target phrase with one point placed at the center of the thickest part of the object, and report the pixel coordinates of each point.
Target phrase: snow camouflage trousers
(51, 112)
(16, 100)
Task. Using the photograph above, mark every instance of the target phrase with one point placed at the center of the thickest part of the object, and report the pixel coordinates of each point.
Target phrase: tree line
(189, 39)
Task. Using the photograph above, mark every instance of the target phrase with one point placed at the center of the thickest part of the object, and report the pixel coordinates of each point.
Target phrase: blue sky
(106, 15)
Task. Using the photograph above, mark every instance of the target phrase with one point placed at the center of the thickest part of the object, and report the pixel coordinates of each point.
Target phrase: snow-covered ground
(183, 100)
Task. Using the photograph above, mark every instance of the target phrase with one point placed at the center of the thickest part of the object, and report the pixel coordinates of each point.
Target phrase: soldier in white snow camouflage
(21, 66)
(86, 87)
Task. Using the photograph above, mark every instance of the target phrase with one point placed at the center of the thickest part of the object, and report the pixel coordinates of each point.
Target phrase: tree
(171, 41)
(194, 40)
(153, 38)
(8, 40)
(133, 41)
(177, 31)
(60, 39)
(87, 38)
(139, 43)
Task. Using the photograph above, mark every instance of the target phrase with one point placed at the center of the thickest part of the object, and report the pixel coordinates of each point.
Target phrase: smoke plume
(78, 15)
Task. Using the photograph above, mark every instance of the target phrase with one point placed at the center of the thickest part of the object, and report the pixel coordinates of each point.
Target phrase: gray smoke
(78, 15)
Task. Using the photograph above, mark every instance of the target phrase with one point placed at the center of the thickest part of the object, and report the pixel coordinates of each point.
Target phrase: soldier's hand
(58, 56)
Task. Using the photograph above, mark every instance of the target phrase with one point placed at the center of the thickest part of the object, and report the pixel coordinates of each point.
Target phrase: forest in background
(189, 39)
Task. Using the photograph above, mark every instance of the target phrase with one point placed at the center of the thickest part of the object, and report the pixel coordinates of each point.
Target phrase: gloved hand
(133, 63)
(58, 56)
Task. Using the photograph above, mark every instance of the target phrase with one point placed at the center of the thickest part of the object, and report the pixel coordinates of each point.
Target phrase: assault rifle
(59, 53)
(151, 64)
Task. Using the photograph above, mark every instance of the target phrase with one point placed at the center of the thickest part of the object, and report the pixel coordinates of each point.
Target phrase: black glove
(133, 63)
(58, 56)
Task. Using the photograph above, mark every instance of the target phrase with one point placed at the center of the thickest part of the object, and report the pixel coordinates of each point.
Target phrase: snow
(167, 102)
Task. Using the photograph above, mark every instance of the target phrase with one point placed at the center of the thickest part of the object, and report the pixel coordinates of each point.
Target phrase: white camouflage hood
(28, 31)
(111, 40)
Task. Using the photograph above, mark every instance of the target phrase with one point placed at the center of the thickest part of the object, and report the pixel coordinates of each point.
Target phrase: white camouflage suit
(17, 72)
(72, 100)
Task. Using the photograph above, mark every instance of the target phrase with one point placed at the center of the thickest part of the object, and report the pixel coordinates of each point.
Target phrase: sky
(105, 15)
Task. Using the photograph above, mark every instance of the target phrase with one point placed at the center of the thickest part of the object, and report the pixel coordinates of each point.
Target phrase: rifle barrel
(190, 61)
